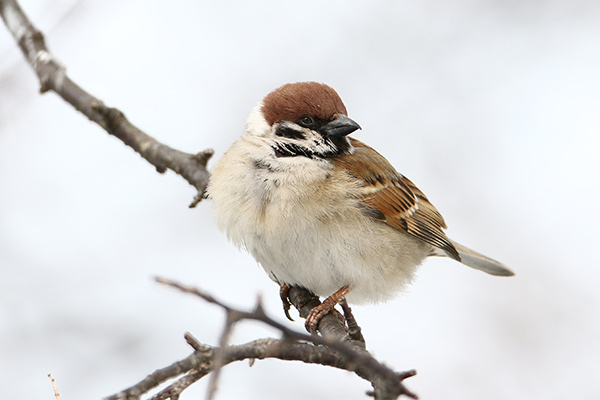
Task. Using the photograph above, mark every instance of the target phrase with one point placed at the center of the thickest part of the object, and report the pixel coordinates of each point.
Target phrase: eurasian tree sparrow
(323, 211)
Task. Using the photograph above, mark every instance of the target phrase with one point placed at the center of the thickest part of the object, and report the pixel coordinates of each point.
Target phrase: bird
(320, 210)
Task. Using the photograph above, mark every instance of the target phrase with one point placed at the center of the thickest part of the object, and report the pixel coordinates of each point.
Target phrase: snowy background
(491, 107)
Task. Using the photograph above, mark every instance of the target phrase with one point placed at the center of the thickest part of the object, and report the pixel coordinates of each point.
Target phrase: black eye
(307, 121)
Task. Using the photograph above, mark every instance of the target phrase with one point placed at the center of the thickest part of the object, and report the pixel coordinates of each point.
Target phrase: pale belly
(329, 250)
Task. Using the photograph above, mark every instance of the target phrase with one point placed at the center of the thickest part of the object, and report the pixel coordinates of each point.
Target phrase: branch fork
(346, 353)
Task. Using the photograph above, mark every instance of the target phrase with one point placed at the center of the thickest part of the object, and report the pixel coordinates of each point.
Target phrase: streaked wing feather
(398, 200)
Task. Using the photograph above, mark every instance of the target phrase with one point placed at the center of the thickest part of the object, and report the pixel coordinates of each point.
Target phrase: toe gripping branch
(318, 310)
(328, 305)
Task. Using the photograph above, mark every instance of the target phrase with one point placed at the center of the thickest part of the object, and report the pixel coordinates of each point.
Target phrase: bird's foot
(328, 305)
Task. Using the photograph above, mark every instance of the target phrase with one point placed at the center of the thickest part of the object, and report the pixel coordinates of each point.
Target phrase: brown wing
(392, 198)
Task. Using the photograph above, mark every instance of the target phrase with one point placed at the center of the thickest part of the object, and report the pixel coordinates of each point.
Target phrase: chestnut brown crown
(293, 100)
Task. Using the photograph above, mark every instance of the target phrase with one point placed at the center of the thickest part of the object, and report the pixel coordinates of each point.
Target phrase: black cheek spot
(290, 133)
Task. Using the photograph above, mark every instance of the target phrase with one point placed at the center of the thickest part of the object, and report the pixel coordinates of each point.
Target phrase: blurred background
(490, 107)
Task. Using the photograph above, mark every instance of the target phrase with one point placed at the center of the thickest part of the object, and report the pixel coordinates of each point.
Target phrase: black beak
(341, 126)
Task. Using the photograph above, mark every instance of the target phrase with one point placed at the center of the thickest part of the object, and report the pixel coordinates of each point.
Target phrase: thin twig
(175, 389)
(52, 75)
(53, 383)
(219, 360)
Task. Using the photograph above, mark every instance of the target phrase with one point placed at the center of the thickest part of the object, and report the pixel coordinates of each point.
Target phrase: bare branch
(307, 300)
(312, 349)
(53, 77)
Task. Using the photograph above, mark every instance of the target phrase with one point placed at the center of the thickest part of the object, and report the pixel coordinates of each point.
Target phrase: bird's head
(306, 119)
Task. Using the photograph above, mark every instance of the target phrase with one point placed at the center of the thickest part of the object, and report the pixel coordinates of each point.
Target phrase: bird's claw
(284, 293)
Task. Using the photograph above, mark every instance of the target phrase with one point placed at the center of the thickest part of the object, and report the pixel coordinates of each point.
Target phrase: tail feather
(476, 260)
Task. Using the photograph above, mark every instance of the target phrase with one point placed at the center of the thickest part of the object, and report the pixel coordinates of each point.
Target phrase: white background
(490, 107)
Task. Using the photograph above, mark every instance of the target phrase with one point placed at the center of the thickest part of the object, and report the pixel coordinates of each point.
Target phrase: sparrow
(323, 211)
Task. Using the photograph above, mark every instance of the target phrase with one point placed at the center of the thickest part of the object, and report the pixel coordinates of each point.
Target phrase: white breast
(301, 220)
